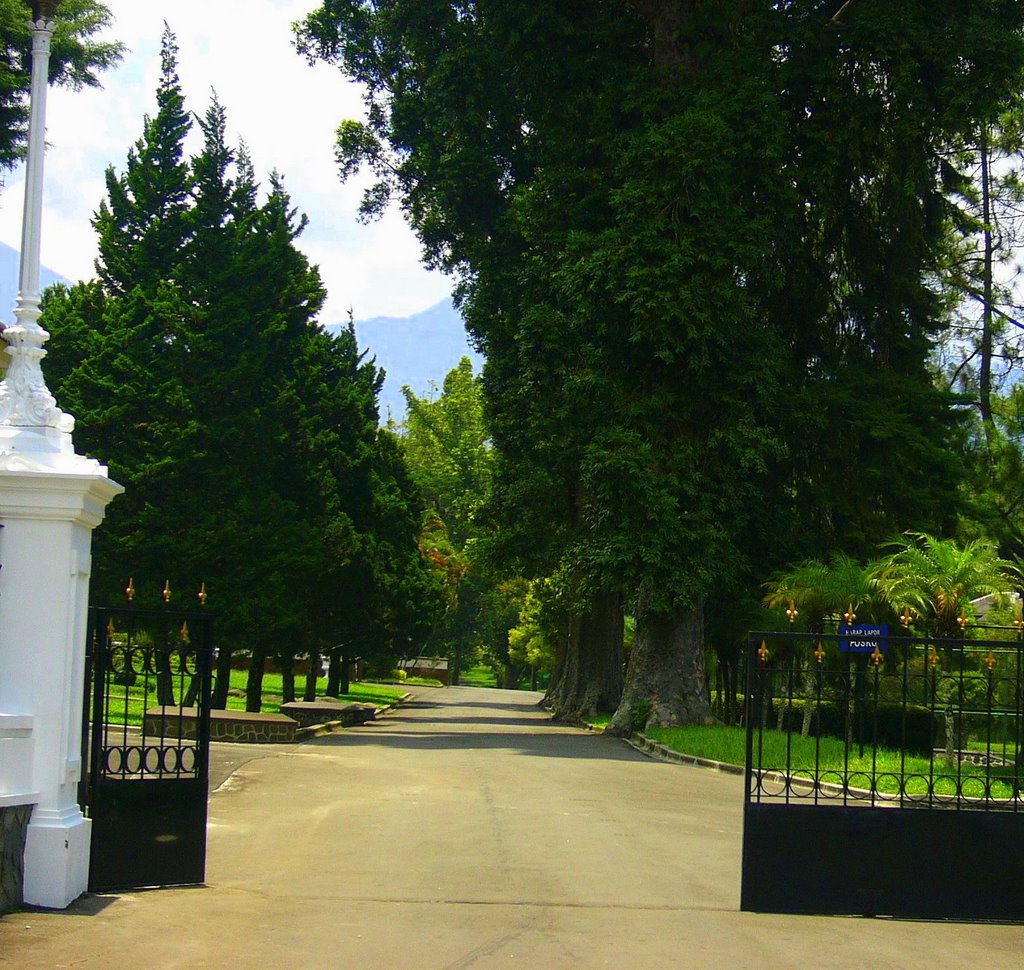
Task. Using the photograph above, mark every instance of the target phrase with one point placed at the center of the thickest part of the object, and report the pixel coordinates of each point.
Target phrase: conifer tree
(246, 437)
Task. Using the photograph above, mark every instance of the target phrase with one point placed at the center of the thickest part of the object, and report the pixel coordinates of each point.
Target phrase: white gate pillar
(48, 517)
(50, 501)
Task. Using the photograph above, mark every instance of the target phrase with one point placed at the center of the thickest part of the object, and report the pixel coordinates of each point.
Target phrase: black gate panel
(148, 747)
(927, 864)
(885, 775)
(145, 834)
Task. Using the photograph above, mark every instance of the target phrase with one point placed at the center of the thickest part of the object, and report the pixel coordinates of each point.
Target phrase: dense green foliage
(445, 445)
(76, 58)
(700, 260)
(246, 437)
(936, 579)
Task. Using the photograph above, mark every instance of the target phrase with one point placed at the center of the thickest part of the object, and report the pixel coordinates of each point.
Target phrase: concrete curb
(652, 749)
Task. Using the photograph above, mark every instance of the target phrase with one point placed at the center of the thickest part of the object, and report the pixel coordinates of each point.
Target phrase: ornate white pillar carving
(25, 400)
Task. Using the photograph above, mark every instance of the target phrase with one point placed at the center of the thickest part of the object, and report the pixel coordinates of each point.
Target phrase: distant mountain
(414, 351)
(10, 260)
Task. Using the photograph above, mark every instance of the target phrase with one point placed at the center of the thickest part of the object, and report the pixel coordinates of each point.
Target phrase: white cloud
(286, 111)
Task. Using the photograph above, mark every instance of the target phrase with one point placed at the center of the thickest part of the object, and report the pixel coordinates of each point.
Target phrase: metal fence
(897, 761)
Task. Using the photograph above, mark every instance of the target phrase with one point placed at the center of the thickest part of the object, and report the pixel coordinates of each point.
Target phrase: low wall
(13, 824)
(308, 713)
(423, 667)
(240, 726)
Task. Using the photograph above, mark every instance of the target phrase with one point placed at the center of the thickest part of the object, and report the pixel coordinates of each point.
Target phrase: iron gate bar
(905, 852)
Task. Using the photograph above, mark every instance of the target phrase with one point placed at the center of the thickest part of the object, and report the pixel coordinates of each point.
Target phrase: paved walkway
(467, 831)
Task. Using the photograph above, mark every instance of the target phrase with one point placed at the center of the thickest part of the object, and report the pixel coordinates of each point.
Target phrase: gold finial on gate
(792, 613)
(933, 657)
(876, 656)
(762, 653)
(202, 594)
(990, 660)
(905, 618)
(819, 653)
(110, 627)
(183, 633)
(1019, 622)
(849, 616)
(962, 621)
(167, 591)
(130, 589)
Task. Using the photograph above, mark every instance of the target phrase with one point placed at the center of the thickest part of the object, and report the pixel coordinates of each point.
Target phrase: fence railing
(880, 720)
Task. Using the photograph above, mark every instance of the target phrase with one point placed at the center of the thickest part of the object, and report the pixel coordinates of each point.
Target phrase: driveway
(465, 830)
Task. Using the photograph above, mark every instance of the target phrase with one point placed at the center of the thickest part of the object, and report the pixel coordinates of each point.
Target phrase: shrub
(639, 713)
(912, 728)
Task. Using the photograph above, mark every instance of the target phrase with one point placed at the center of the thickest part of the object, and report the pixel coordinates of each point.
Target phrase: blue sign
(863, 639)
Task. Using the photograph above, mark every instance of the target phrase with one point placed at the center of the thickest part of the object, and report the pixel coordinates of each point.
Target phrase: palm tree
(819, 591)
(937, 579)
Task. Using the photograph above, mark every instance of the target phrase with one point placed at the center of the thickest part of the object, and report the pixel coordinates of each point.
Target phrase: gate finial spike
(130, 589)
(167, 591)
(202, 594)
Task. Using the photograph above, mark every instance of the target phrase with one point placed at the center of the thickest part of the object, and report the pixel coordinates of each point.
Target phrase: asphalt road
(465, 830)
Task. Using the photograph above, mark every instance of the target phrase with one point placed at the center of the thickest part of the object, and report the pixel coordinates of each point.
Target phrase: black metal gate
(886, 782)
(147, 746)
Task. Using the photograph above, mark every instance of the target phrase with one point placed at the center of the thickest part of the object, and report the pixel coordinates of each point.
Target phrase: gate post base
(56, 858)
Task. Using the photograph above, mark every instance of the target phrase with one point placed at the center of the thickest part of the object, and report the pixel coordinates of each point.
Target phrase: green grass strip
(880, 770)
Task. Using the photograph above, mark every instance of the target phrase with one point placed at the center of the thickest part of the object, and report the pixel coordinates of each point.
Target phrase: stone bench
(308, 713)
(244, 726)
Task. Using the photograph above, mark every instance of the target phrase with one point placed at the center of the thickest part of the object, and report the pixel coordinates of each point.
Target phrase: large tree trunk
(287, 662)
(558, 670)
(164, 678)
(510, 675)
(254, 682)
(219, 701)
(335, 664)
(312, 672)
(986, 344)
(665, 683)
(588, 675)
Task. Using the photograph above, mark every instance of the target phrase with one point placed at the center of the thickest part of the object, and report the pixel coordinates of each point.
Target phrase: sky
(284, 109)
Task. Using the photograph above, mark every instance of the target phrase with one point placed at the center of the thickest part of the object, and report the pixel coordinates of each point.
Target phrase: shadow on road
(541, 744)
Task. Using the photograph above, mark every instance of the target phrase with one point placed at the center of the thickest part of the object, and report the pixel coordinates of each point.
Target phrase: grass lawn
(362, 693)
(880, 771)
(478, 677)
(379, 694)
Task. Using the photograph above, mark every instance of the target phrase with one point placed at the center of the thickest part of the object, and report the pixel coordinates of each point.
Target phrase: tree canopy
(699, 259)
(76, 59)
(247, 437)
